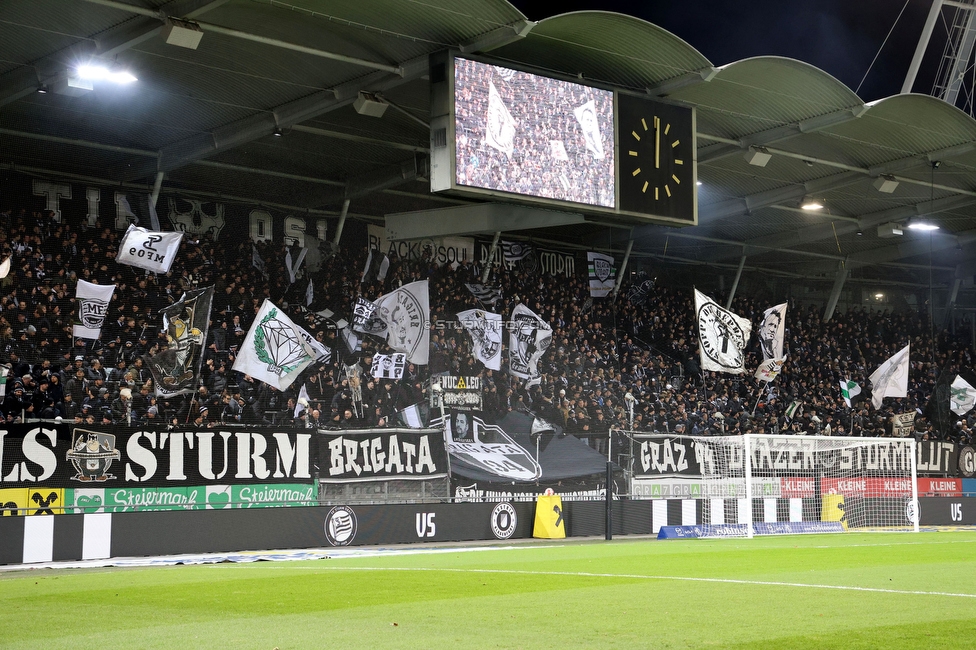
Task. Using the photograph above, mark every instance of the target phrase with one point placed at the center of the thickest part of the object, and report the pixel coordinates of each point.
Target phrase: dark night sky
(839, 36)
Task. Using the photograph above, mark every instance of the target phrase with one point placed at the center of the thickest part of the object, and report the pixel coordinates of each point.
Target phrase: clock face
(656, 144)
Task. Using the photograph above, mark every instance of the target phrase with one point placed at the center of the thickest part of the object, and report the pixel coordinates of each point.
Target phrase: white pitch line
(584, 574)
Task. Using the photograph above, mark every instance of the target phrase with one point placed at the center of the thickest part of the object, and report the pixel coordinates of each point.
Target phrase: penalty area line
(637, 576)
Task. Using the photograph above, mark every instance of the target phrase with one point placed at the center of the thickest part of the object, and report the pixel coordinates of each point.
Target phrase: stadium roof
(206, 118)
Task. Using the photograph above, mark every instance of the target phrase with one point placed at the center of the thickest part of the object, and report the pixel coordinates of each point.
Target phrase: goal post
(775, 484)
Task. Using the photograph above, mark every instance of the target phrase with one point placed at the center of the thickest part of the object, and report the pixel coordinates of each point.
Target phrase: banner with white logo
(93, 301)
(153, 251)
(176, 369)
(603, 274)
(484, 293)
(485, 329)
(364, 318)
(891, 377)
(722, 336)
(406, 313)
(902, 424)
(274, 350)
(772, 331)
(769, 370)
(388, 366)
(528, 340)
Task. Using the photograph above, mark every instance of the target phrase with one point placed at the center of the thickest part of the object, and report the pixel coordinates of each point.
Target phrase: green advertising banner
(210, 497)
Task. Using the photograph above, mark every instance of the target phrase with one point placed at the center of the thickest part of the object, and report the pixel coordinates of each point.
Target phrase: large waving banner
(274, 350)
(485, 329)
(93, 301)
(176, 369)
(153, 251)
(528, 340)
(406, 313)
(772, 331)
(722, 336)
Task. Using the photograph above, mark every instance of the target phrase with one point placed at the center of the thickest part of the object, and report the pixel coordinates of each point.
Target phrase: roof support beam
(669, 86)
(839, 281)
(745, 205)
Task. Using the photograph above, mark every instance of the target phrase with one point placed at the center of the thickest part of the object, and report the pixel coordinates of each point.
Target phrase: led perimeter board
(505, 134)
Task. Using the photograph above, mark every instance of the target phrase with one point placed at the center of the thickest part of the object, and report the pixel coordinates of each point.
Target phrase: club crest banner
(93, 301)
(603, 274)
(153, 251)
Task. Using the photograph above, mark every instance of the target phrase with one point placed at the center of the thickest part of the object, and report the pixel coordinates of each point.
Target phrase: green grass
(913, 591)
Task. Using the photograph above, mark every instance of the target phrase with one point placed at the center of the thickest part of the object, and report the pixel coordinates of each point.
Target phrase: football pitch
(816, 591)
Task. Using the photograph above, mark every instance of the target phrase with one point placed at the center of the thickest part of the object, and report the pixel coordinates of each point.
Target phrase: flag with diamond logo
(274, 350)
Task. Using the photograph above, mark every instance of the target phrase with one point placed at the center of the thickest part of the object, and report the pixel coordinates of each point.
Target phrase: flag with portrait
(388, 366)
(406, 315)
(771, 332)
(528, 339)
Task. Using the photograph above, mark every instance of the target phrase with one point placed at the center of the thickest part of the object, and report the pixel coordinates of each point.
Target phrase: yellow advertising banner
(549, 521)
(832, 509)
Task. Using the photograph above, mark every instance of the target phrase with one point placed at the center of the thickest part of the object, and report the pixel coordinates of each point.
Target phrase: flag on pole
(722, 336)
(590, 125)
(301, 404)
(406, 313)
(485, 294)
(769, 370)
(891, 378)
(176, 370)
(142, 210)
(93, 301)
(793, 409)
(365, 319)
(377, 266)
(528, 340)
(849, 390)
(147, 249)
(274, 351)
(485, 329)
(309, 294)
(962, 396)
(603, 274)
(514, 251)
(499, 123)
(411, 417)
(3, 380)
(771, 332)
(388, 366)
(257, 261)
(293, 268)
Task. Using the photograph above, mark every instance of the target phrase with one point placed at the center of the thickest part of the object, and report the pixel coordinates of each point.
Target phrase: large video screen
(525, 134)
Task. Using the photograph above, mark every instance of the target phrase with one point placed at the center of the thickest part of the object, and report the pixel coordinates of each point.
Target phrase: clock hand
(657, 142)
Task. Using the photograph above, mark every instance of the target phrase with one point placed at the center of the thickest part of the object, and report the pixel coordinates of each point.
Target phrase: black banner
(382, 454)
(937, 459)
(948, 511)
(664, 455)
(112, 457)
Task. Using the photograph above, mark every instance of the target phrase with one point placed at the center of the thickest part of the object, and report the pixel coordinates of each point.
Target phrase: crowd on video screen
(601, 349)
(526, 134)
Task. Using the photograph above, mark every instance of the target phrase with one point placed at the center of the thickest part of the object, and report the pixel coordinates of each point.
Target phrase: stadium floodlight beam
(99, 72)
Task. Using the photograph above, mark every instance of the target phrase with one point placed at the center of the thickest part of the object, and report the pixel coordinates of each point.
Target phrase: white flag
(849, 390)
(590, 125)
(5, 267)
(891, 378)
(274, 350)
(962, 396)
(603, 274)
(485, 329)
(406, 313)
(309, 294)
(93, 301)
(722, 336)
(388, 366)
(412, 417)
(771, 332)
(147, 249)
(293, 268)
(499, 123)
(528, 340)
(769, 370)
(302, 402)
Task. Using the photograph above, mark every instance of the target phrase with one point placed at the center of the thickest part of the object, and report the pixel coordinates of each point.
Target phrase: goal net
(769, 484)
